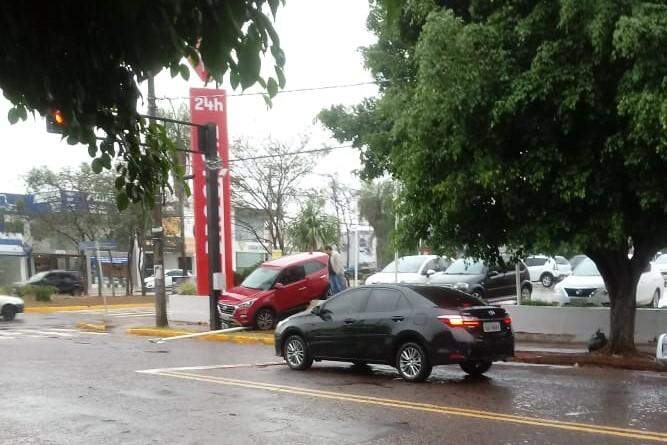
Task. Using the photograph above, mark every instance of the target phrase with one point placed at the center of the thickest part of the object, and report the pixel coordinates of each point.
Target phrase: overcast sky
(321, 39)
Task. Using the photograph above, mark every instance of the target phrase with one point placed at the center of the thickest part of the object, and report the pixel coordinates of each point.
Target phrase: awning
(10, 247)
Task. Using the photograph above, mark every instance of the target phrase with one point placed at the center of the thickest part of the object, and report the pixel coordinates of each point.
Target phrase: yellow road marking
(487, 415)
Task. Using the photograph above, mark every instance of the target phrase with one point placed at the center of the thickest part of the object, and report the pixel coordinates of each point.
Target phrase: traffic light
(55, 121)
(207, 138)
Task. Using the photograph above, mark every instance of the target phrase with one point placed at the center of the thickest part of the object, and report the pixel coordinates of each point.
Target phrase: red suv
(276, 289)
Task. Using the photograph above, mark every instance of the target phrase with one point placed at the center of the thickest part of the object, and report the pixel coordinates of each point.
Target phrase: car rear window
(447, 298)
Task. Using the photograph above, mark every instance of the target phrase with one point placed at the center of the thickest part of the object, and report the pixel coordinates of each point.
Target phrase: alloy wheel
(525, 294)
(295, 353)
(264, 319)
(547, 280)
(411, 362)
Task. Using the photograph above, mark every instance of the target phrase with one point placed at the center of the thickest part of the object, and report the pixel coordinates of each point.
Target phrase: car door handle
(349, 321)
(398, 318)
(303, 288)
(323, 276)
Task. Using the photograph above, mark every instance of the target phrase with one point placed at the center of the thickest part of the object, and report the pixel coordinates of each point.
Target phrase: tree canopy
(86, 60)
(312, 228)
(524, 124)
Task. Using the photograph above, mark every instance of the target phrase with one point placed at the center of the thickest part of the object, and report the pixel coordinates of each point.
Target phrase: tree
(376, 205)
(86, 60)
(313, 228)
(78, 205)
(525, 125)
(267, 177)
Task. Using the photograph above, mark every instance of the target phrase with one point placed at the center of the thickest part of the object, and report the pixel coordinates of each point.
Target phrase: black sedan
(410, 327)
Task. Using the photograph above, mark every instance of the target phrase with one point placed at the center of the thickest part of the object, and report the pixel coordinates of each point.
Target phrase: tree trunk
(621, 276)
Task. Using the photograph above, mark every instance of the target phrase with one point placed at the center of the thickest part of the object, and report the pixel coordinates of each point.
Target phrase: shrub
(6, 290)
(40, 293)
(186, 288)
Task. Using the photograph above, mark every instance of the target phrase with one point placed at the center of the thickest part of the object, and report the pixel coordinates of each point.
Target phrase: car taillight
(459, 321)
(507, 320)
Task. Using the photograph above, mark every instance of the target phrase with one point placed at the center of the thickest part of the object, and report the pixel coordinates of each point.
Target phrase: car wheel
(8, 312)
(547, 280)
(476, 367)
(296, 353)
(656, 299)
(525, 293)
(412, 362)
(477, 293)
(265, 319)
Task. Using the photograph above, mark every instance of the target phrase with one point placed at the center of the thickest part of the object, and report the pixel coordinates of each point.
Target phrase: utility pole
(157, 232)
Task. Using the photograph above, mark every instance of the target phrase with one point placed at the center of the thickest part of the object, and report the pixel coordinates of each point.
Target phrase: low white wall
(579, 324)
(188, 308)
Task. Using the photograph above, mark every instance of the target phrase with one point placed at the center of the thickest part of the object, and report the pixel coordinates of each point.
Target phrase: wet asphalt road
(60, 386)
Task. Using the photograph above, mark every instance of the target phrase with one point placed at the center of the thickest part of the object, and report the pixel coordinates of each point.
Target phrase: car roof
(297, 258)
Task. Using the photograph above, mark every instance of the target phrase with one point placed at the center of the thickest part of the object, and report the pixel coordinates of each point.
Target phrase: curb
(52, 309)
(91, 327)
(261, 339)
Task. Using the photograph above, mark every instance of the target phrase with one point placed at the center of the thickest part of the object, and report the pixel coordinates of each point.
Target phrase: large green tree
(524, 124)
(86, 59)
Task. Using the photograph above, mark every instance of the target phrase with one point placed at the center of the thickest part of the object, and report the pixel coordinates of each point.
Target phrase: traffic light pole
(208, 143)
(157, 233)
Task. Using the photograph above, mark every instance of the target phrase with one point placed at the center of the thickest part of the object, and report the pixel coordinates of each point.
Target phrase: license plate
(491, 326)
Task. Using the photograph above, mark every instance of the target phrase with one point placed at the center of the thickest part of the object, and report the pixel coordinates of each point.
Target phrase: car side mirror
(278, 285)
(316, 310)
(430, 272)
(647, 268)
(492, 273)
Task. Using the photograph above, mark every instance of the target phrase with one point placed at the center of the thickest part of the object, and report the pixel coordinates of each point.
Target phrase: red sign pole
(208, 105)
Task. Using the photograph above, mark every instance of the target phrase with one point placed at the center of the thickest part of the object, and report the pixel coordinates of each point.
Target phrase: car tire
(476, 367)
(477, 293)
(656, 299)
(296, 354)
(547, 280)
(8, 312)
(412, 362)
(265, 319)
(525, 293)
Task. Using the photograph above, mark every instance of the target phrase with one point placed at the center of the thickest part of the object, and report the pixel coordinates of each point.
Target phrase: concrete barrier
(188, 308)
(579, 323)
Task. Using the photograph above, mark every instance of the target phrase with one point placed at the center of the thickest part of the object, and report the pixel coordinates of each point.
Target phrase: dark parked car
(491, 283)
(411, 327)
(66, 281)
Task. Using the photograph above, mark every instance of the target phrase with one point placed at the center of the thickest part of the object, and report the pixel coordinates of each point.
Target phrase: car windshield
(586, 268)
(406, 264)
(261, 278)
(37, 277)
(447, 298)
(465, 267)
(662, 259)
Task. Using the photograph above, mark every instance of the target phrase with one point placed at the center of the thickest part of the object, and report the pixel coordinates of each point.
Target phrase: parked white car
(169, 276)
(415, 269)
(10, 306)
(660, 264)
(548, 270)
(586, 285)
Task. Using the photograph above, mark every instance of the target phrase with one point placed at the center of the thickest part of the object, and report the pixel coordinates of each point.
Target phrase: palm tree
(312, 226)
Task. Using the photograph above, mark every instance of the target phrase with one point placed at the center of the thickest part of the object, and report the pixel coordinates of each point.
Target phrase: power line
(293, 153)
(294, 90)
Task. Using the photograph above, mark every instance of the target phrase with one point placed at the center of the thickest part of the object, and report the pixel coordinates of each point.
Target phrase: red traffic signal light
(55, 121)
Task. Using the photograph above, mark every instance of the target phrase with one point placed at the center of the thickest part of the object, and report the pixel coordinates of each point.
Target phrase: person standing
(336, 270)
